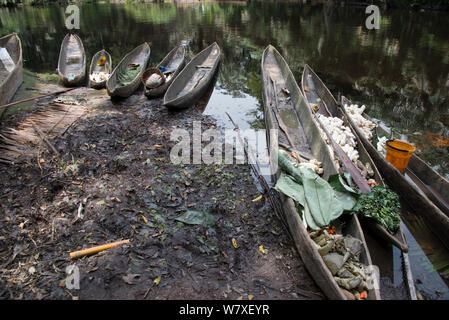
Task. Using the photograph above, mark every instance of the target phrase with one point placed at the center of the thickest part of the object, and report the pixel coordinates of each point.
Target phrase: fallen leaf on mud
(261, 249)
(197, 217)
(257, 199)
(240, 298)
(131, 278)
(157, 280)
(234, 243)
(250, 297)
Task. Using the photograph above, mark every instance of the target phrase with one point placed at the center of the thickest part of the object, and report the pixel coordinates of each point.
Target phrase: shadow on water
(401, 72)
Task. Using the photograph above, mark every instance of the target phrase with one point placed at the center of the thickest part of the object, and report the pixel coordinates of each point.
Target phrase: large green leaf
(294, 190)
(321, 202)
(197, 217)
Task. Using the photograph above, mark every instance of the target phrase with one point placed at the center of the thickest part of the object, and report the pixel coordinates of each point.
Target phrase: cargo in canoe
(173, 63)
(100, 66)
(126, 77)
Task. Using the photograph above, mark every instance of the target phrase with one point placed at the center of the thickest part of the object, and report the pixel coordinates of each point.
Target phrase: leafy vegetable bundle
(382, 205)
(125, 76)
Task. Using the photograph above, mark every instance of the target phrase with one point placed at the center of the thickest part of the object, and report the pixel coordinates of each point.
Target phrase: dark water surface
(401, 71)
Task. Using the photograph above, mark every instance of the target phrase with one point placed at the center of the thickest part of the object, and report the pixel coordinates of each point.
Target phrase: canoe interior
(297, 118)
(315, 92)
(193, 80)
(11, 76)
(139, 56)
(94, 67)
(436, 219)
(174, 60)
(72, 60)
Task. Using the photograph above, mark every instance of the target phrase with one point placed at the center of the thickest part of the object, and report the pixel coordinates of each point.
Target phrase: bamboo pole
(34, 98)
(93, 250)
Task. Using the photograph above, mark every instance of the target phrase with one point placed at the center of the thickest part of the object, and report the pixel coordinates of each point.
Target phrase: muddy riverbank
(114, 163)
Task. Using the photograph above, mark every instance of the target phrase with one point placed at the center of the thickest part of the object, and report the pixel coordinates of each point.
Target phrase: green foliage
(382, 205)
(321, 201)
(127, 75)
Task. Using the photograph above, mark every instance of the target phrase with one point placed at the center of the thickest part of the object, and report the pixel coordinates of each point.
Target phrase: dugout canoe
(137, 58)
(316, 93)
(417, 199)
(193, 80)
(305, 136)
(11, 67)
(173, 62)
(98, 65)
(72, 61)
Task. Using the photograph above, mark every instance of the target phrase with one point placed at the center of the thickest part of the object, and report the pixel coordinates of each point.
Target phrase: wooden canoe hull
(434, 186)
(437, 221)
(140, 55)
(95, 58)
(74, 74)
(12, 82)
(177, 96)
(175, 56)
(272, 64)
(312, 85)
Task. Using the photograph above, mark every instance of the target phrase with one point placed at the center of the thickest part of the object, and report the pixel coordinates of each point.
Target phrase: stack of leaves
(127, 75)
(321, 201)
(382, 205)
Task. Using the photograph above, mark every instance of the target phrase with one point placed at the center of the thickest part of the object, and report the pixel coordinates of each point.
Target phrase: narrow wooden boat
(411, 192)
(193, 80)
(101, 62)
(316, 93)
(173, 63)
(118, 84)
(11, 67)
(72, 61)
(276, 77)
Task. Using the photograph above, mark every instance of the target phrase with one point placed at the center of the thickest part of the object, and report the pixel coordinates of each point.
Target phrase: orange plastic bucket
(399, 153)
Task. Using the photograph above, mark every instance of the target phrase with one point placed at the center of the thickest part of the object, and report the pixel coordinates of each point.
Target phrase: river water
(401, 71)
